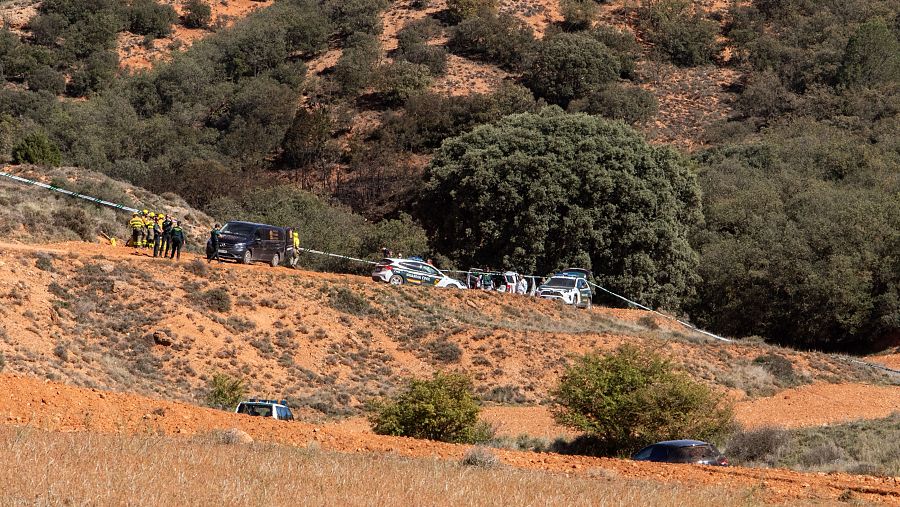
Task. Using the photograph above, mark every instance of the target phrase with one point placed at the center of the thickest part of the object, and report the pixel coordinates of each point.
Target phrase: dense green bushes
(679, 31)
(460, 10)
(413, 46)
(503, 39)
(442, 408)
(146, 17)
(430, 118)
(629, 103)
(537, 192)
(355, 69)
(629, 399)
(36, 149)
(578, 14)
(397, 81)
(567, 66)
(197, 14)
(802, 231)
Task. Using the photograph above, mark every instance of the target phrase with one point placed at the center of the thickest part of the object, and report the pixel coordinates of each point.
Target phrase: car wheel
(276, 259)
(248, 257)
(397, 280)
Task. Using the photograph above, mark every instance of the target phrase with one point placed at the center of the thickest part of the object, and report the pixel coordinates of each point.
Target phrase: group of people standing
(159, 231)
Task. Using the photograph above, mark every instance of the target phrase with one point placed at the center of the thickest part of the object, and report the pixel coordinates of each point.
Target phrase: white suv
(570, 287)
(265, 408)
(401, 271)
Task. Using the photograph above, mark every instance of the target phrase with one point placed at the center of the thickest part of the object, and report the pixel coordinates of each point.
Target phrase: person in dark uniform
(167, 235)
(213, 252)
(178, 240)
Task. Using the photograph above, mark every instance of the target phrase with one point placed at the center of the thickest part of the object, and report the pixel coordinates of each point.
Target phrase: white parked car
(265, 408)
(401, 271)
(570, 286)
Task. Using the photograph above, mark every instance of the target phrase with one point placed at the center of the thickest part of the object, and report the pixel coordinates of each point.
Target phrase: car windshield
(255, 409)
(238, 229)
(695, 453)
(561, 283)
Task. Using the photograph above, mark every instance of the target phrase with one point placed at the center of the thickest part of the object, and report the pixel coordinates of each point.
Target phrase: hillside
(33, 215)
(106, 317)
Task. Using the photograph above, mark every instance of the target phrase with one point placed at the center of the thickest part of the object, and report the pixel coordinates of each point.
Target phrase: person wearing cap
(167, 234)
(178, 240)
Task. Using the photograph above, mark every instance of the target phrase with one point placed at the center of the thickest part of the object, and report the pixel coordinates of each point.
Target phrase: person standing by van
(213, 253)
(295, 253)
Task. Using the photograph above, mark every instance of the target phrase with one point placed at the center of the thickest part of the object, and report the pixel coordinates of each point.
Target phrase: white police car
(401, 271)
(265, 408)
(569, 286)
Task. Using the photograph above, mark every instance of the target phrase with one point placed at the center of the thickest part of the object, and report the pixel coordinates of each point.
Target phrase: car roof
(575, 273)
(401, 259)
(681, 443)
(251, 223)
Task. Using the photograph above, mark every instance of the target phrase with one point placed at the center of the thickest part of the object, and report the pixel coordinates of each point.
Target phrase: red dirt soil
(54, 406)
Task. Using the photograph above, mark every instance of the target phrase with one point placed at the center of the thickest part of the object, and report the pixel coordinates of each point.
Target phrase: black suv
(247, 242)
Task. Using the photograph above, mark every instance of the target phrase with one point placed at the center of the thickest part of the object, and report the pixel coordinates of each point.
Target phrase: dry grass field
(46, 468)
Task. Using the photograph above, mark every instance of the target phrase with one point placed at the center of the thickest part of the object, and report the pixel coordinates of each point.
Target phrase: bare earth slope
(114, 318)
(54, 406)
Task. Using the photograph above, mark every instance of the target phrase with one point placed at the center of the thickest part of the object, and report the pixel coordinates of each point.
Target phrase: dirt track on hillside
(54, 406)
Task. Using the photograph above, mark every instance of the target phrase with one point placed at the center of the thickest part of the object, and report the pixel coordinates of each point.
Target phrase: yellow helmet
(152, 214)
(145, 212)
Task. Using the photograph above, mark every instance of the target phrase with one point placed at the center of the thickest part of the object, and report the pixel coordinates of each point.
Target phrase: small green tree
(443, 408)
(578, 14)
(872, 56)
(460, 10)
(503, 39)
(146, 17)
(631, 398)
(679, 31)
(35, 148)
(354, 69)
(398, 80)
(224, 392)
(569, 65)
(197, 14)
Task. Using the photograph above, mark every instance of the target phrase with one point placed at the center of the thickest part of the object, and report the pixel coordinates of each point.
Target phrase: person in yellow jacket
(137, 230)
(295, 252)
(149, 222)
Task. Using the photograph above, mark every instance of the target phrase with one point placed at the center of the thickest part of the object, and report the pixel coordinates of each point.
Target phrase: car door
(584, 289)
(433, 276)
(413, 273)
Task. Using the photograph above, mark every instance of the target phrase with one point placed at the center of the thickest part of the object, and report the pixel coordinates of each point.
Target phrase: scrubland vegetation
(861, 447)
(793, 238)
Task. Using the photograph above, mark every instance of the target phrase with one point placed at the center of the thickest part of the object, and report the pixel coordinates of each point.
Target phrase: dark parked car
(682, 451)
(248, 242)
